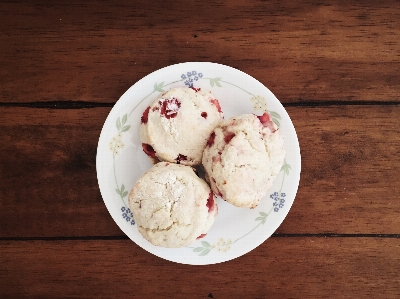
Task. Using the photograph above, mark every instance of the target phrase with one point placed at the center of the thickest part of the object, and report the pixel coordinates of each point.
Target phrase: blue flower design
(189, 83)
(127, 215)
(279, 200)
(190, 77)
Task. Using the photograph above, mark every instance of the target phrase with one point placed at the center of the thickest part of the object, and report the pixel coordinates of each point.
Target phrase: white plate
(120, 161)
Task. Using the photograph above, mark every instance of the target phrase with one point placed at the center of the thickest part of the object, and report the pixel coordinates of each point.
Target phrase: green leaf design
(158, 87)
(205, 252)
(124, 119)
(206, 244)
(125, 128)
(275, 114)
(198, 249)
(122, 191)
(276, 121)
(118, 124)
(215, 82)
(286, 167)
(263, 217)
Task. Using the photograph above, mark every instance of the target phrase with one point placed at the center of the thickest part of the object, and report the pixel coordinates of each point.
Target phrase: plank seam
(336, 235)
(84, 104)
(106, 238)
(58, 105)
(341, 103)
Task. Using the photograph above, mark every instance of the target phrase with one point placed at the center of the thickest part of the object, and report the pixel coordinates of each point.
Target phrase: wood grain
(349, 181)
(48, 174)
(350, 165)
(302, 51)
(279, 268)
(57, 239)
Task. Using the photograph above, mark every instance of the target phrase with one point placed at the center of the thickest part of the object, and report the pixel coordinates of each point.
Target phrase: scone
(172, 206)
(176, 126)
(243, 156)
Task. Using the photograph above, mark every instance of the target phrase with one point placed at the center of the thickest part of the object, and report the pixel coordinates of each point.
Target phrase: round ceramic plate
(121, 161)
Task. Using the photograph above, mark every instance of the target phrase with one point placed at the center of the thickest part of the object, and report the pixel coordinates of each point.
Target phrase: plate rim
(120, 103)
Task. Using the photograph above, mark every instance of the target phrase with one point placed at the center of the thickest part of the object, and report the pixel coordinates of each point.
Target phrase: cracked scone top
(172, 206)
(176, 126)
(243, 156)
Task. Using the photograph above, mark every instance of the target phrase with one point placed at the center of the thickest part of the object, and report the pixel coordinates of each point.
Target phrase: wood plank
(350, 165)
(48, 173)
(94, 51)
(350, 161)
(279, 268)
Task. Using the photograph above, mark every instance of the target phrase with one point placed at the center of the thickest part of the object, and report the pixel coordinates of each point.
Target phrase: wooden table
(333, 64)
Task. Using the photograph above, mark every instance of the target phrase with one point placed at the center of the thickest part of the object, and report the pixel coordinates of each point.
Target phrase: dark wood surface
(297, 267)
(334, 66)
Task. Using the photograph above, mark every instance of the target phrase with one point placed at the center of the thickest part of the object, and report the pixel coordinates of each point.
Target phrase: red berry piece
(154, 108)
(265, 118)
(201, 236)
(266, 121)
(195, 89)
(210, 202)
(145, 116)
(228, 136)
(210, 141)
(180, 158)
(204, 114)
(216, 159)
(216, 104)
(170, 108)
(149, 150)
